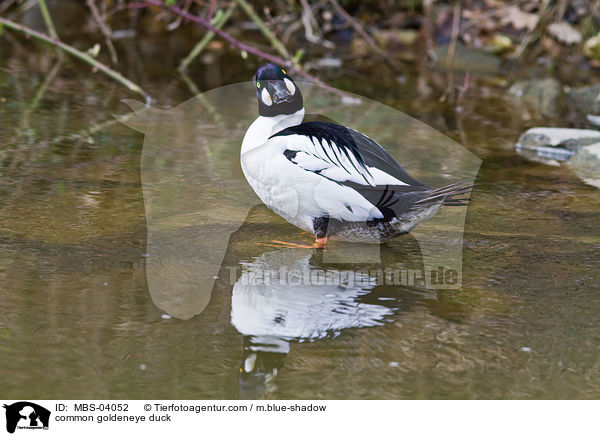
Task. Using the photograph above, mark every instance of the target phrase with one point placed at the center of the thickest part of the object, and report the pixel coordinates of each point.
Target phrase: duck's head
(261, 361)
(276, 91)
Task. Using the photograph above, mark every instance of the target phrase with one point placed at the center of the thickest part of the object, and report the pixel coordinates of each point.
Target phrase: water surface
(77, 319)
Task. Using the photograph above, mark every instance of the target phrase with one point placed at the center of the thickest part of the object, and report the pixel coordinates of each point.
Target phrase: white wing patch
(383, 178)
(335, 163)
(328, 159)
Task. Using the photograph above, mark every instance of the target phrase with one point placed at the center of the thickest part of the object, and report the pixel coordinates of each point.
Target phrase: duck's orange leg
(283, 244)
(321, 242)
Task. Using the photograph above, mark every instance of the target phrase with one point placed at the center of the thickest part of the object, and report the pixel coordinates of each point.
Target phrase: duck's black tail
(449, 194)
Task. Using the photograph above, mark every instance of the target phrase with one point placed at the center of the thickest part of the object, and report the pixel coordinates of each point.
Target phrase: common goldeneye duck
(329, 179)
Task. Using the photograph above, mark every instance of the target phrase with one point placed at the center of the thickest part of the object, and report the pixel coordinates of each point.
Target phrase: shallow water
(78, 318)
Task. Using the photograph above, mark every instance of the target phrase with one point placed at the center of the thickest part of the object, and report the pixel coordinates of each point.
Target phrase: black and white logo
(26, 415)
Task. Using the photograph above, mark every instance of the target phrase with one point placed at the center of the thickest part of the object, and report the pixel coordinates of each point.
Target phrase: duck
(329, 179)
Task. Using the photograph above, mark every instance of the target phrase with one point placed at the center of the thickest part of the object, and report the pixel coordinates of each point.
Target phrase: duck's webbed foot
(284, 244)
(321, 242)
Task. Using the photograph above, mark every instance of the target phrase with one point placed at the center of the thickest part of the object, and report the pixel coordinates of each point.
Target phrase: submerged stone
(546, 95)
(466, 59)
(585, 98)
(586, 164)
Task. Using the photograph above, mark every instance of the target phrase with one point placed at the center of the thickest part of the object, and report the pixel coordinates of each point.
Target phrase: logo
(26, 415)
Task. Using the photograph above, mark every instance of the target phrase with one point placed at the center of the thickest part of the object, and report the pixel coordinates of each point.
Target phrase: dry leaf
(512, 15)
(565, 33)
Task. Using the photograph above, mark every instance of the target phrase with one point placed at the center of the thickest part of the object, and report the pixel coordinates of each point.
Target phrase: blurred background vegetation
(139, 39)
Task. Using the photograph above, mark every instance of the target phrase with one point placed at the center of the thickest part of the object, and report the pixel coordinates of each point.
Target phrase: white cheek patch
(289, 85)
(266, 97)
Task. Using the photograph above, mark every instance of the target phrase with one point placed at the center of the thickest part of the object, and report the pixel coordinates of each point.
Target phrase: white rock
(554, 136)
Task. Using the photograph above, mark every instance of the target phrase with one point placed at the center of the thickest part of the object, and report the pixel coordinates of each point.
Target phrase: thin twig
(7, 4)
(289, 30)
(48, 22)
(15, 148)
(212, 9)
(311, 27)
(105, 31)
(200, 97)
(428, 25)
(14, 41)
(78, 54)
(453, 35)
(175, 24)
(21, 9)
(462, 90)
(47, 18)
(364, 34)
(480, 18)
(218, 21)
(275, 42)
(85, 134)
(35, 101)
(532, 34)
(449, 93)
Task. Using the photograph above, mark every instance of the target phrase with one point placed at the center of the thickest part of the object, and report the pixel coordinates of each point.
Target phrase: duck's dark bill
(279, 91)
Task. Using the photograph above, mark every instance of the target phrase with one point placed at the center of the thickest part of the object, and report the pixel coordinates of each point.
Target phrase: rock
(558, 142)
(585, 98)
(593, 119)
(564, 33)
(586, 164)
(466, 59)
(570, 139)
(580, 147)
(546, 95)
(587, 159)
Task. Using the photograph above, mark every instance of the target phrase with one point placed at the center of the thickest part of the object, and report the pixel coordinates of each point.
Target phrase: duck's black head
(276, 92)
(258, 368)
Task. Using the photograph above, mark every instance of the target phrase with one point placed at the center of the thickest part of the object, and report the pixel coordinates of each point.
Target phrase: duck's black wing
(352, 159)
(347, 149)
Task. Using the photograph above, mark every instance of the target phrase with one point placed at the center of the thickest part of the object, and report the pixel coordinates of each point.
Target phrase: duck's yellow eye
(283, 71)
(258, 84)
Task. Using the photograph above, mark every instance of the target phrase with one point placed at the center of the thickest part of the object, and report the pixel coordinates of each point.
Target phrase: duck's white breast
(269, 173)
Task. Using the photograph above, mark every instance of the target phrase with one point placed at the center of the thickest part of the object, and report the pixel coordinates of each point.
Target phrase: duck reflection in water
(291, 295)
